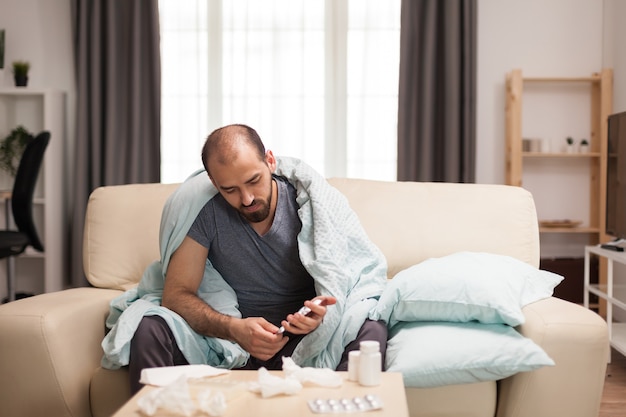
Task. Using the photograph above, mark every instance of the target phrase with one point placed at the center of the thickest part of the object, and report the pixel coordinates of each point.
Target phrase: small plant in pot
(584, 146)
(20, 73)
(569, 148)
(12, 148)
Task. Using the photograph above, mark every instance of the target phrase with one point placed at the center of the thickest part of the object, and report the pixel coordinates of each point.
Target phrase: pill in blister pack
(346, 405)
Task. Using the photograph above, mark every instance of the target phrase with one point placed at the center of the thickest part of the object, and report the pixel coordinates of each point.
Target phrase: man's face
(246, 183)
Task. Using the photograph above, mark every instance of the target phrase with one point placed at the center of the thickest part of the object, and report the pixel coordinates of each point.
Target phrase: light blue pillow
(431, 354)
(463, 287)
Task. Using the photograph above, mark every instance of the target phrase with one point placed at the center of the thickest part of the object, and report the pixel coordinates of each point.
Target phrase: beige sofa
(50, 344)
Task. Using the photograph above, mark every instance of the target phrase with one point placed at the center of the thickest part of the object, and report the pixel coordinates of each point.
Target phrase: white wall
(542, 38)
(560, 38)
(614, 54)
(39, 31)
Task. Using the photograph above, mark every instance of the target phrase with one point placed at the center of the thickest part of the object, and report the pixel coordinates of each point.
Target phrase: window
(317, 79)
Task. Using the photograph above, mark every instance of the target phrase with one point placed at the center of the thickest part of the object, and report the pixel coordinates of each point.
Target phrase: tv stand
(615, 295)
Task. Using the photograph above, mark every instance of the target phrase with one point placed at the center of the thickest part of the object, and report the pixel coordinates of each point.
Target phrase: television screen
(616, 177)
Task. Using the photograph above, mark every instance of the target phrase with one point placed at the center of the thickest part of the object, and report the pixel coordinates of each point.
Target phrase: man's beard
(263, 212)
(258, 215)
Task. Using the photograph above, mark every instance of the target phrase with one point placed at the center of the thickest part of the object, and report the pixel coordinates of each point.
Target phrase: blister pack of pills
(345, 405)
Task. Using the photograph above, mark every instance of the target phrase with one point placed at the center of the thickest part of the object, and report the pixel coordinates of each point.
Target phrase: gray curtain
(437, 91)
(118, 101)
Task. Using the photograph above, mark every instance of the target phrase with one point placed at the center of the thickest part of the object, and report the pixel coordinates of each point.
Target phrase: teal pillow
(431, 354)
(463, 287)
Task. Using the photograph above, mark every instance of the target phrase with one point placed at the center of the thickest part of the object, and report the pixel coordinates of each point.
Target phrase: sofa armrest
(50, 347)
(577, 340)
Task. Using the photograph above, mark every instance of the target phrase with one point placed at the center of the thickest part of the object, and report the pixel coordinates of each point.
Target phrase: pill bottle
(353, 365)
(369, 363)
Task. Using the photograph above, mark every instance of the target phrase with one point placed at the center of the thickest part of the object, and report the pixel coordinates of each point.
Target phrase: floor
(614, 396)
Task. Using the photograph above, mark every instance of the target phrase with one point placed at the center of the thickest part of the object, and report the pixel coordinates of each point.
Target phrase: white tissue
(168, 374)
(212, 404)
(324, 377)
(270, 385)
(173, 398)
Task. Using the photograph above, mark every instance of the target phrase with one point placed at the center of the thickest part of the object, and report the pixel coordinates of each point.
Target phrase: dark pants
(153, 346)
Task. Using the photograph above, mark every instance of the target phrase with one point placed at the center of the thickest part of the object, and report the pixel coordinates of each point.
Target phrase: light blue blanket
(334, 248)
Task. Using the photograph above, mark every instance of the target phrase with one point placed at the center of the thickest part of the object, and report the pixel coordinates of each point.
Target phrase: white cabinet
(39, 110)
(615, 295)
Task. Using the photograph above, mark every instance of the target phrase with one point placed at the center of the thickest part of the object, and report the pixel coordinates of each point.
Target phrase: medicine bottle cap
(369, 346)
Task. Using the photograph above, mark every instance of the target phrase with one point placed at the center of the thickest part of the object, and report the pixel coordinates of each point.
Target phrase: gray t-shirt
(265, 271)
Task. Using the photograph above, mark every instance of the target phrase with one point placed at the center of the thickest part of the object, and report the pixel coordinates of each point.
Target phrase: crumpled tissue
(269, 385)
(176, 399)
(324, 377)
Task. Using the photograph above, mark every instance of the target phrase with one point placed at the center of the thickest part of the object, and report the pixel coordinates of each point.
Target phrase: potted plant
(20, 73)
(584, 146)
(570, 145)
(11, 149)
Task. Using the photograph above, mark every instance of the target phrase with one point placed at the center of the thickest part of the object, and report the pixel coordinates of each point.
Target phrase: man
(249, 233)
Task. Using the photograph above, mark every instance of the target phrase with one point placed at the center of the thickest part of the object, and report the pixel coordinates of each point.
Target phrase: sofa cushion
(122, 223)
(431, 354)
(465, 286)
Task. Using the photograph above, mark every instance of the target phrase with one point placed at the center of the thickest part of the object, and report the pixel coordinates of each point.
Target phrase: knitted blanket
(334, 249)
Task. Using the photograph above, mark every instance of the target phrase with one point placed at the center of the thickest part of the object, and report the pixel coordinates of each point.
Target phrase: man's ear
(270, 160)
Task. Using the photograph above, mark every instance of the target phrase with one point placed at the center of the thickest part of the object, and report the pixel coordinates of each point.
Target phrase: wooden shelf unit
(601, 86)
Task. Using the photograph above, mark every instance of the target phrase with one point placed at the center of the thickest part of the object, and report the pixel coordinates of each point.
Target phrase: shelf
(601, 291)
(593, 79)
(609, 254)
(569, 230)
(41, 109)
(618, 337)
(27, 91)
(560, 155)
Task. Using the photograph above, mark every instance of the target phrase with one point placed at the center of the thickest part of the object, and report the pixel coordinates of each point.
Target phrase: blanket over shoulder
(334, 249)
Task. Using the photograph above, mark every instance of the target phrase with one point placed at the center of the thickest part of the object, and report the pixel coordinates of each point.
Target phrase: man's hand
(258, 337)
(304, 324)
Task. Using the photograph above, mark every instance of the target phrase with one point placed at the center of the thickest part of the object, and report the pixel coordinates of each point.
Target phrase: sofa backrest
(408, 221)
(413, 221)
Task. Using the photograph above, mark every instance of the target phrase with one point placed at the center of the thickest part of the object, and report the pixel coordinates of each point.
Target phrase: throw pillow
(463, 287)
(431, 354)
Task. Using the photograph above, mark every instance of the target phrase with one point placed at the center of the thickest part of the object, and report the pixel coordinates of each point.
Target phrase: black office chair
(15, 242)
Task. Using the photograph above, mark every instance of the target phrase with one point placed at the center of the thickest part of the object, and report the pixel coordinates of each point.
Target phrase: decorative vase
(21, 80)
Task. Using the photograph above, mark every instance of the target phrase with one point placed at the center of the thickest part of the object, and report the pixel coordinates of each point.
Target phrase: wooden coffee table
(246, 403)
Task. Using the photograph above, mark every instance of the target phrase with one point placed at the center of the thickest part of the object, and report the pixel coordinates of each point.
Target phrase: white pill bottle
(370, 365)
